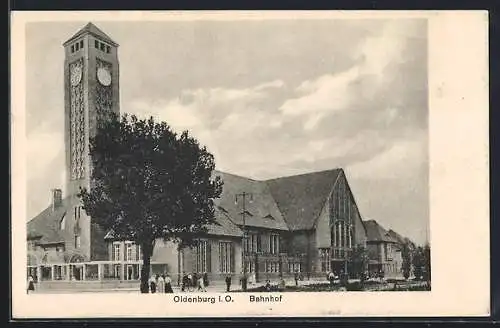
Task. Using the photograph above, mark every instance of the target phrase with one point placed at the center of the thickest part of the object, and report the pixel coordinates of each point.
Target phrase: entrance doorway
(130, 272)
(77, 272)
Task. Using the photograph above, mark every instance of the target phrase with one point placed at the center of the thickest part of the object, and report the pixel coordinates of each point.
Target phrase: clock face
(76, 75)
(104, 76)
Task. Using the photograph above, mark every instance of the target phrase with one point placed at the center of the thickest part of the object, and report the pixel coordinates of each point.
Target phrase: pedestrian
(161, 283)
(168, 284)
(244, 281)
(296, 277)
(268, 285)
(185, 281)
(201, 284)
(205, 279)
(152, 284)
(228, 283)
(331, 278)
(190, 281)
(31, 284)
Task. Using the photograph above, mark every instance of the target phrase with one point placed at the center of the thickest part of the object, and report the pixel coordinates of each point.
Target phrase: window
(128, 252)
(72, 48)
(102, 46)
(272, 266)
(79, 211)
(81, 44)
(77, 47)
(138, 253)
(202, 256)
(116, 251)
(77, 241)
(294, 267)
(324, 257)
(252, 243)
(225, 257)
(108, 49)
(274, 244)
(62, 223)
(76, 212)
(249, 266)
(96, 44)
(388, 252)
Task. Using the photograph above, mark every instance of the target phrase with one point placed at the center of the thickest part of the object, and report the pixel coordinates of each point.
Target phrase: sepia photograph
(214, 158)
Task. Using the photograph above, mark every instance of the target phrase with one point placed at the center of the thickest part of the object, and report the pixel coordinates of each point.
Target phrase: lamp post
(243, 196)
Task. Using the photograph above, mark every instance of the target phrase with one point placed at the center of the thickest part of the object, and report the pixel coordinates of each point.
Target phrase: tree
(427, 262)
(149, 183)
(406, 251)
(358, 262)
(418, 262)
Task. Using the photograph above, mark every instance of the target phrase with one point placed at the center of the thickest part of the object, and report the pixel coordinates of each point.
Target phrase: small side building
(384, 251)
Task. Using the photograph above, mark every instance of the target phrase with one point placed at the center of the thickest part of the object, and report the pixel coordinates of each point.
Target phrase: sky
(268, 98)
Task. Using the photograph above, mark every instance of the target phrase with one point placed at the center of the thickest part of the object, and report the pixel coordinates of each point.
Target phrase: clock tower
(91, 88)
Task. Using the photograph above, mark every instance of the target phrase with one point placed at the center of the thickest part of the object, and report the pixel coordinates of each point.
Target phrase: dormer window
(62, 223)
(72, 48)
(246, 213)
(269, 217)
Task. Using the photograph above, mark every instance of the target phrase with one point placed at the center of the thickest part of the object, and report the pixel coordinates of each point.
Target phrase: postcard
(232, 164)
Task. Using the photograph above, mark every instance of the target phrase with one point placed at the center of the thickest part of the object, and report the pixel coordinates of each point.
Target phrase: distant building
(306, 223)
(384, 250)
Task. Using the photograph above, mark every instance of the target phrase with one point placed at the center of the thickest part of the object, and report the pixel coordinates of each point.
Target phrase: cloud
(374, 64)
(403, 158)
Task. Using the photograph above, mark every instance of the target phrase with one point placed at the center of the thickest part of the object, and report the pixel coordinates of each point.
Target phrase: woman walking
(31, 284)
(152, 284)
(161, 284)
(168, 284)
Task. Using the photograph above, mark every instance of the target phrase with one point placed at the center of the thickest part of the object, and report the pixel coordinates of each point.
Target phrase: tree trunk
(147, 251)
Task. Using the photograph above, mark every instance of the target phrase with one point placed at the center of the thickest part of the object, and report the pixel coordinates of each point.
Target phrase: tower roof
(95, 31)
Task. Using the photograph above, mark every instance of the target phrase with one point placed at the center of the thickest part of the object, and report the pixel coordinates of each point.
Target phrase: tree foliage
(406, 254)
(148, 182)
(358, 262)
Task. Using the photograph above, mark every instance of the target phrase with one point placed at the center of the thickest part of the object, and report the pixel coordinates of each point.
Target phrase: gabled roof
(301, 197)
(93, 30)
(396, 236)
(223, 226)
(376, 233)
(45, 226)
(261, 210)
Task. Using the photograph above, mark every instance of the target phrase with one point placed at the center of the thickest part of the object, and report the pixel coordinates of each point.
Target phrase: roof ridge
(91, 28)
(304, 174)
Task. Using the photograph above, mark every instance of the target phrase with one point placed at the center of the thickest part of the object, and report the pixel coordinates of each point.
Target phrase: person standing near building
(201, 284)
(31, 284)
(205, 279)
(152, 284)
(161, 284)
(331, 278)
(296, 277)
(168, 284)
(228, 283)
(185, 282)
(190, 281)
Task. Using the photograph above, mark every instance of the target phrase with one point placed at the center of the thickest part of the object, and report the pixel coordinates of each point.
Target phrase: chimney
(56, 198)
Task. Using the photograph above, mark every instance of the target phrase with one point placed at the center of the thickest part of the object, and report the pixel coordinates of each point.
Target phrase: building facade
(306, 223)
(384, 251)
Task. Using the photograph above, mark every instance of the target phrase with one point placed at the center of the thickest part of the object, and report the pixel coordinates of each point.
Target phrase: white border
(459, 184)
